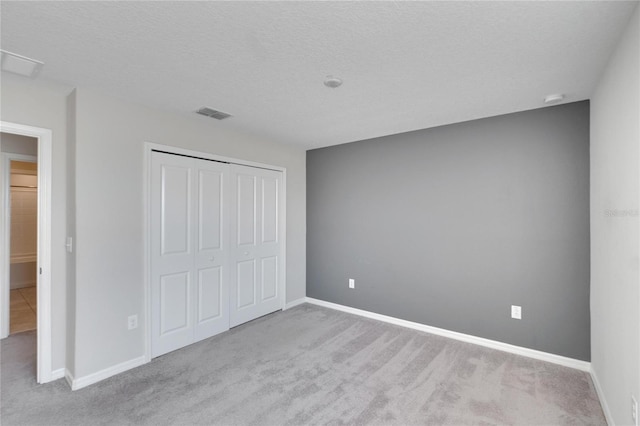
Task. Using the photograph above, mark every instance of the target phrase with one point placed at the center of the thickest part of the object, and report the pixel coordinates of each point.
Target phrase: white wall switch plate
(132, 322)
(634, 410)
(352, 283)
(516, 312)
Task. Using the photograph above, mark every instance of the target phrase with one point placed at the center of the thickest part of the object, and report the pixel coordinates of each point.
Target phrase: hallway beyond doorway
(23, 310)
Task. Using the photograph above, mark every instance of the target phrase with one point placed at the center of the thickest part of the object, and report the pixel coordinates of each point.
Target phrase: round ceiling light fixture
(332, 82)
(554, 99)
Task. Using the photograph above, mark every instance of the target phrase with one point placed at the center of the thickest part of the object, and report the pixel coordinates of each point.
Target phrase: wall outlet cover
(352, 283)
(132, 322)
(516, 312)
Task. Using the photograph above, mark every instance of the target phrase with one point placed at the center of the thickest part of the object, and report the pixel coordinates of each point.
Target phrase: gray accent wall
(450, 226)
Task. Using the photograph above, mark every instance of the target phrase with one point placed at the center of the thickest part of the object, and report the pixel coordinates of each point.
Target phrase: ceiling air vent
(210, 112)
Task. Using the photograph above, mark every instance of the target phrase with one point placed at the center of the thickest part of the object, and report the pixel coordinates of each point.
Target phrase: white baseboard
(58, 374)
(23, 284)
(81, 382)
(493, 344)
(68, 377)
(601, 397)
(295, 303)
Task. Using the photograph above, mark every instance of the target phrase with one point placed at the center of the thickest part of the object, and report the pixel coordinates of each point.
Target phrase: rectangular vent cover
(210, 112)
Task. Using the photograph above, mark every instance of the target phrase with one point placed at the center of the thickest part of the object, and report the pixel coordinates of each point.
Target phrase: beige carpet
(309, 365)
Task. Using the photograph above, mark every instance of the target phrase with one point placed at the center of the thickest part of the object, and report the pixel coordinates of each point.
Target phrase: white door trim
(150, 146)
(44, 137)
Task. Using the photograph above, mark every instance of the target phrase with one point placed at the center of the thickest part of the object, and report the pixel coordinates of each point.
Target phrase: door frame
(148, 147)
(44, 158)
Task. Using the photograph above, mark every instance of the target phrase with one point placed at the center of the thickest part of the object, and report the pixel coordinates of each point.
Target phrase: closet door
(189, 292)
(211, 250)
(256, 257)
(172, 199)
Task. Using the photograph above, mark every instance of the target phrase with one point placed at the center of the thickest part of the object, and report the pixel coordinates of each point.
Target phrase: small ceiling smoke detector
(210, 112)
(21, 65)
(332, 82)
(554, 99)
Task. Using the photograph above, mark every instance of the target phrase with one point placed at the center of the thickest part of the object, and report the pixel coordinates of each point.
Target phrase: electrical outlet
(132, 322)
(352, 283)
(634, 410)
(516, 312)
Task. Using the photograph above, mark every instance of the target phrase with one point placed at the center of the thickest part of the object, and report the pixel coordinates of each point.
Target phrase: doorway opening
(25, 238)
(22, 215)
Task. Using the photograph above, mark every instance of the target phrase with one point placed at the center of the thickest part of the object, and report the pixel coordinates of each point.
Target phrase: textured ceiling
(405, 65)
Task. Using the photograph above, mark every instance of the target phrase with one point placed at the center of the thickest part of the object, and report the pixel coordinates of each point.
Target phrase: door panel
(246, 211)
(188, 240)
(175, 302)
(269, 278)
(212, 249)
(210, 211)
(246, 281)
(175, 218)
(209, 301)
(269, 210)
(255, 208)
(171, 252)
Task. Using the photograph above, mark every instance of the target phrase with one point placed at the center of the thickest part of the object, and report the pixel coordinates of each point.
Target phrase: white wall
(615, 255)
(18, 144)
(33, 103)
(100, 166)
(109, 177)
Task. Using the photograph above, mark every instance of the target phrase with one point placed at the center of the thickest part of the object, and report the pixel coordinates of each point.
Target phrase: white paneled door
(255, 253)
(216, 254)
(189, 244)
